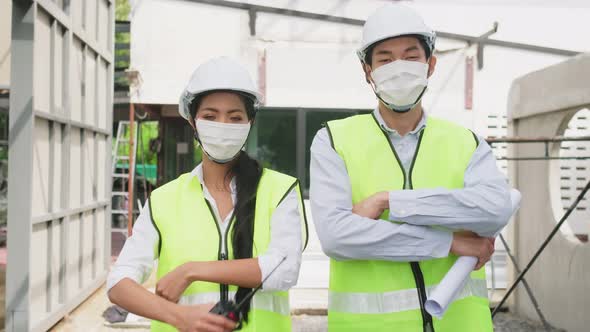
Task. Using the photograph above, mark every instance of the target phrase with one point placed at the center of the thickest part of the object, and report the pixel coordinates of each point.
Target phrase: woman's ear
(193, 122)
(367, 70)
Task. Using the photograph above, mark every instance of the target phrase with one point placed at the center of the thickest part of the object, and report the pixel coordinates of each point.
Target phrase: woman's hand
(173, 284)
(196, 318)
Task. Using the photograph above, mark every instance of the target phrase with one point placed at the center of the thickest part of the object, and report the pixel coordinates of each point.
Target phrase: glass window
(177, 144)
(281, 138)
(273, 139)
(314, 121)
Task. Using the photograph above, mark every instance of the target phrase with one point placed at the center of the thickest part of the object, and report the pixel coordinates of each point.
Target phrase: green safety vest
(371, 295)
(189, 232)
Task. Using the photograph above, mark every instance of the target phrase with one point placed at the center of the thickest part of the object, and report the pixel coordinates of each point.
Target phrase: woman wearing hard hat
(228, 222)
(397, 195)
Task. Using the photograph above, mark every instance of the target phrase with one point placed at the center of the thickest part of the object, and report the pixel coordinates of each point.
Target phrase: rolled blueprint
(454, 281)
(449, 287)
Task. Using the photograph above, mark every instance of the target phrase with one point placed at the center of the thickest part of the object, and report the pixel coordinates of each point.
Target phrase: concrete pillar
(540, 105)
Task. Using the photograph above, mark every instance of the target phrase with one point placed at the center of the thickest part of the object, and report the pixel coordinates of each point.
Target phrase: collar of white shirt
(384, 126)
(198, 172)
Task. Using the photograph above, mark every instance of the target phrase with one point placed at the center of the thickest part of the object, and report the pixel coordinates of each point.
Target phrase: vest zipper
(419, 279)
(223, 288)
(224, 254)
(221, 253)
(427, 324)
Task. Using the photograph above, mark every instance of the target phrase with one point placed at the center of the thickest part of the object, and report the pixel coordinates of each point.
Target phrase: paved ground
(507, 322)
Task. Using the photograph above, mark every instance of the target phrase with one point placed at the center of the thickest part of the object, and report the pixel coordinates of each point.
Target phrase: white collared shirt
(137, 257)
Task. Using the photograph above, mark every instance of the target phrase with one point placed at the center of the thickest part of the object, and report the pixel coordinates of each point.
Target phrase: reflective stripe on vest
(268, 301)
(396, 301)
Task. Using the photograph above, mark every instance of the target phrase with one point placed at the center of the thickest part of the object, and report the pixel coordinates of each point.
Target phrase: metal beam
(281, 11)
(20, 168)
(480, 45)
(491, 140)
(356, 22)
(72, 123)
(507, 44)
(543, 158)
(69, 212)
(109, 109)
(252, 21)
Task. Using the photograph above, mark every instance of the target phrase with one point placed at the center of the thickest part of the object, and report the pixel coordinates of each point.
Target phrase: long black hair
(247, 172)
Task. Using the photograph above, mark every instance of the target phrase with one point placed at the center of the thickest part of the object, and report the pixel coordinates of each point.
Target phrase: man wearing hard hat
(397, 195)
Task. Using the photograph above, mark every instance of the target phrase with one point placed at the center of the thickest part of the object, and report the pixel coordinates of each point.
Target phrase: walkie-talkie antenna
(252, 292)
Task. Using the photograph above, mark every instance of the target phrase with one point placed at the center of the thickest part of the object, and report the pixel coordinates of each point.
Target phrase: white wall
(312, 63)
(169, 38)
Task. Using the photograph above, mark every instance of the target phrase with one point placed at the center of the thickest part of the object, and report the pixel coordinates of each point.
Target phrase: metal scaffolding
(470, 40)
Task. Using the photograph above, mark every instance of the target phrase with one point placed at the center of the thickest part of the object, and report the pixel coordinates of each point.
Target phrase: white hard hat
(394, 20)
(217, 74)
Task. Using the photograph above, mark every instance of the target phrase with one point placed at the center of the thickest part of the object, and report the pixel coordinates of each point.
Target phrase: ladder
(120, 172)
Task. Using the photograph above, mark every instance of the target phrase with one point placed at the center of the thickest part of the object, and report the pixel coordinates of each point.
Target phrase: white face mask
(222, 141)
(400, 84)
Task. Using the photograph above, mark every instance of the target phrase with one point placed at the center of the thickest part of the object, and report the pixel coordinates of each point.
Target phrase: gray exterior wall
(59, 158)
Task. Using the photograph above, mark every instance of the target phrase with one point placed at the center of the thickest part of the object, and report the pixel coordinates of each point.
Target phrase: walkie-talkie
(230, 309)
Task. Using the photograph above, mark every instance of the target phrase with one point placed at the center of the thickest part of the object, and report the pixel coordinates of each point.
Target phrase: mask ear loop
(196, 137)
(188, 98)
(370, 82)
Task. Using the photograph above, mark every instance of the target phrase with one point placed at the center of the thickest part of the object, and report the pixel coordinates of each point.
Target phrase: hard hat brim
(429, 38)
(187, 97)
